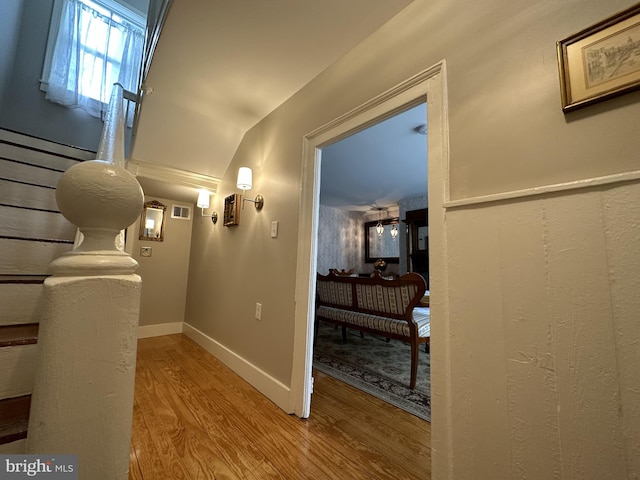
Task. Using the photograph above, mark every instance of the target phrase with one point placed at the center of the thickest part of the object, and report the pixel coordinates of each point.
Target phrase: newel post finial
(101, 198)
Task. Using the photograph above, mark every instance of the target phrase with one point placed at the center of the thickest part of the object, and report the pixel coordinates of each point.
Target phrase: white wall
(535, 339)
(543, 333)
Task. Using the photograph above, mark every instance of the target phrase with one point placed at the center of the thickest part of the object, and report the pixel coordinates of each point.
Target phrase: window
(181, 211)
(92, 45)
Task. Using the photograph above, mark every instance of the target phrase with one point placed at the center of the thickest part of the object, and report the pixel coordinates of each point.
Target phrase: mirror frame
(143, 219)
(367, 227)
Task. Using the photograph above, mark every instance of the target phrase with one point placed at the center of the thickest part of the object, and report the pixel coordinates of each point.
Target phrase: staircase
(32, 234)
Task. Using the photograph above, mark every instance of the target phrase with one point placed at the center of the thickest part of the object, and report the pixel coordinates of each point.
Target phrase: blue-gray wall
(10, 13)
(24, 24)
(24, 107)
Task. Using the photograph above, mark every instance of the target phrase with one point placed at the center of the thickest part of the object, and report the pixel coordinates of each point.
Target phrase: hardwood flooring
(196, 419)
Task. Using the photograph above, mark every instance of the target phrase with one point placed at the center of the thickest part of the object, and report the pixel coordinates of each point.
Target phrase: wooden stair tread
(13, 335)
(14, 418)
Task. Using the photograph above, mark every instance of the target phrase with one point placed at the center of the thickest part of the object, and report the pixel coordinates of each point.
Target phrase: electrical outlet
(258, 311)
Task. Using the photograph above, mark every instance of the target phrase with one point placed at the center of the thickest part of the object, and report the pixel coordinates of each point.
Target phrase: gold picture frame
(231, 210)
(601, 61)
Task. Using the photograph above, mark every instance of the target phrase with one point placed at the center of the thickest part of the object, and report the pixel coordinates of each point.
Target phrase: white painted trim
(301, 373)
(166, 174)
(428, 84)
(441, 338)
(545, 189)
(378, 106)
(46, 145)
(159, 329)
(270, 387)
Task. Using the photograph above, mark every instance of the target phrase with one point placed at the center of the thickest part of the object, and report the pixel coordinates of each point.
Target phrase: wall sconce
(245, 182)
(203, 202)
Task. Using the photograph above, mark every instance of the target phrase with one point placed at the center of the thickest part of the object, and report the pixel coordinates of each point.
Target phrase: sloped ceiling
(221, 66)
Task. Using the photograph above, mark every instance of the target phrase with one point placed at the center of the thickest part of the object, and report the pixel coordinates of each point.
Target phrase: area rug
(373, 365)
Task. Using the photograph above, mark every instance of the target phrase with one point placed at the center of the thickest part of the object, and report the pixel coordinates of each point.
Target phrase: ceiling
(378, 166)
(222, 66)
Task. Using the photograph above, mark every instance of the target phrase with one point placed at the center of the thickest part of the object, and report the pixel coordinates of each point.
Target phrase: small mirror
(152, 221)
(385, 246)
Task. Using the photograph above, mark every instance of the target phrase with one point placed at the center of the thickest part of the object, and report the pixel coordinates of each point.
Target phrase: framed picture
(601, 61)
(231, 210)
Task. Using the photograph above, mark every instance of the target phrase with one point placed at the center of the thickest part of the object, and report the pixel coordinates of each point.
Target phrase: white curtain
(92, 52)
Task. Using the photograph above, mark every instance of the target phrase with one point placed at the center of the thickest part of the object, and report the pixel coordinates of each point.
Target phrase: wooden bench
(376, 305)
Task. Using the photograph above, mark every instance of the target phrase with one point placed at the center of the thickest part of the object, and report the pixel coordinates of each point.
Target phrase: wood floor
(196, 419)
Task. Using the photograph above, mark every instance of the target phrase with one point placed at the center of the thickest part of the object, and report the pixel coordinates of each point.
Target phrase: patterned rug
(375, 366)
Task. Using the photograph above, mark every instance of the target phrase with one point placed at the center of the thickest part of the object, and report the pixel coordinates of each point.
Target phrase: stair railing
(82, 401)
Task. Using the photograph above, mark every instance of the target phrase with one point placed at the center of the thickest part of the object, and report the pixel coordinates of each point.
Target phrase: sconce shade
(245, 180)
(203, 199)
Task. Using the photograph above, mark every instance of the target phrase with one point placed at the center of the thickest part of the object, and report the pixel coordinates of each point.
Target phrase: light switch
(274, 229)
(145, 251)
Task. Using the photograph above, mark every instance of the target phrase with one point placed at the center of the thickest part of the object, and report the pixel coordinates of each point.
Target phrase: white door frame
(429, 84)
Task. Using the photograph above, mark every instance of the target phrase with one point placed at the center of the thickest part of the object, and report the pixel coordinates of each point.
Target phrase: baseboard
(147, 331)
(271, 388)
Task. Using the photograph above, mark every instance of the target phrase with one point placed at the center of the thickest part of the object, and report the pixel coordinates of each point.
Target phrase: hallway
(196, 419)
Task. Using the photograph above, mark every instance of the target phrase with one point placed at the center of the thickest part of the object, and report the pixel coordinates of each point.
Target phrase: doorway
(371, 181)
(427, 85)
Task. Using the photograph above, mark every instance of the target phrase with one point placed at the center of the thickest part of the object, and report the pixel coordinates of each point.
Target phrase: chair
(343, 272)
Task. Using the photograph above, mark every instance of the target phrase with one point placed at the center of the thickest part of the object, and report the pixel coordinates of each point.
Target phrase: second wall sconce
(203, 202)
(245, 182)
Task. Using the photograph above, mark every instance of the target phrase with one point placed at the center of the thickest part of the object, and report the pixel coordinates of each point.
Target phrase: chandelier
(380, 227)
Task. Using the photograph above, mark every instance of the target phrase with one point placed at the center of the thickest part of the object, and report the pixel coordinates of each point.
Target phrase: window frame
(126, 12)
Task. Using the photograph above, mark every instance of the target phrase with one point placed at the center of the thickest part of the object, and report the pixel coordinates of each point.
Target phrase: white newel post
(82, 401)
